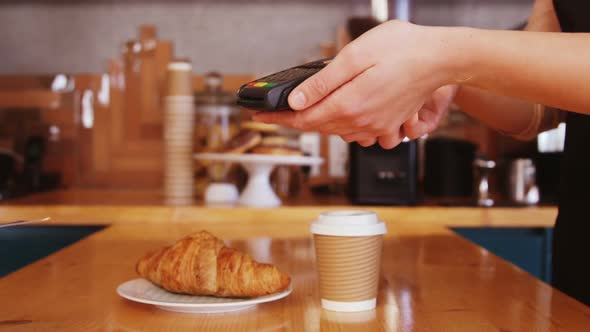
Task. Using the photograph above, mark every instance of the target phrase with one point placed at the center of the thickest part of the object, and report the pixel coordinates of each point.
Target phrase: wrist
(455, 52)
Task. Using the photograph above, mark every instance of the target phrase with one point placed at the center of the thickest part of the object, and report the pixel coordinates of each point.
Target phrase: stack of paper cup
(348, 252)
(178, 134)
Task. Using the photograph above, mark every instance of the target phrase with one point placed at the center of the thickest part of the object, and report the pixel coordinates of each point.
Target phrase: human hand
(432, 112)
(373, 87)
(427, 118)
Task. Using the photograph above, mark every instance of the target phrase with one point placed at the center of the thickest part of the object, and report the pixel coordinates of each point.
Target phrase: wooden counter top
(432, 280)
(114, 207)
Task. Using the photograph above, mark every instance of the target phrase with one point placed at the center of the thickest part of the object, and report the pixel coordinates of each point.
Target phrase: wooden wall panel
(124, 146)
(33, 98)
(127, 135)
(123, 158)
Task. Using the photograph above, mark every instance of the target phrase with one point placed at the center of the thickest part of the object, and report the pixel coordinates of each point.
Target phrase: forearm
(546, 68)
(506, 114)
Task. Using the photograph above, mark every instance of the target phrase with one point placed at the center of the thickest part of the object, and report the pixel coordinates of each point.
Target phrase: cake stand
(258, 192)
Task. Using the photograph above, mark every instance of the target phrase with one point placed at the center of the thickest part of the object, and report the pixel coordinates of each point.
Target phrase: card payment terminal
(270, 93)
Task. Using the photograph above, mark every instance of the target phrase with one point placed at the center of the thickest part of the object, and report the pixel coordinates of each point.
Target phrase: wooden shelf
(30, 98)
(104, 206)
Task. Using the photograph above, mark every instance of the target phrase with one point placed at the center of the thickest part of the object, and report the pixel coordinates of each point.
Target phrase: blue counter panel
(20, 246)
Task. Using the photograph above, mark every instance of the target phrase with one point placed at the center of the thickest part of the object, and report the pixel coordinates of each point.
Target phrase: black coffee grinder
(383, 177)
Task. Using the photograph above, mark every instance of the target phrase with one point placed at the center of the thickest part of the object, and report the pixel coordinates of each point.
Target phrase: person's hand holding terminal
(398, 79)
(373, 87)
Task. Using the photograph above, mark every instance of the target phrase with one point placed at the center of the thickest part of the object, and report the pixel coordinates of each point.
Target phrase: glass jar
(218, 119)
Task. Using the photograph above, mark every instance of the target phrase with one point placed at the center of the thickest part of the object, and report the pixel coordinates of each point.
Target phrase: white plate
(143, 291)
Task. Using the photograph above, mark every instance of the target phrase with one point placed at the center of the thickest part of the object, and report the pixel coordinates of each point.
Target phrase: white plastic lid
(348, 223)
(182, 66)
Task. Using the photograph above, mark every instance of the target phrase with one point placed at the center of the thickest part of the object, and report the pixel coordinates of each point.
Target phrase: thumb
(340, 70)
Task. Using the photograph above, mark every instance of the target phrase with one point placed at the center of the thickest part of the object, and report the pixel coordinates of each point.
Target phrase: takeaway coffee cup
(348, 254)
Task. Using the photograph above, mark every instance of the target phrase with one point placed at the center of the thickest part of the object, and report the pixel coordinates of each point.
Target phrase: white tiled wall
(228, 35)
(492, 14)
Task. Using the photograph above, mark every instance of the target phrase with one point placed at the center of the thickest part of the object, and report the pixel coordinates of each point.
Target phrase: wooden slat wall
(25, 82)
(30, 98)
(120, 153)
(33, 92)
(124, 147)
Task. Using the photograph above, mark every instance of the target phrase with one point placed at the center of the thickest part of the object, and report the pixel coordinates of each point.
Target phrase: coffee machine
(383, 177)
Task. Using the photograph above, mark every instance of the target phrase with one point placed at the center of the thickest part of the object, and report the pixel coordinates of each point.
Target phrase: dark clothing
(571, 239)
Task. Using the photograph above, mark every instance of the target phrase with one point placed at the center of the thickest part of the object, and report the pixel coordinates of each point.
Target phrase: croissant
(200, 264)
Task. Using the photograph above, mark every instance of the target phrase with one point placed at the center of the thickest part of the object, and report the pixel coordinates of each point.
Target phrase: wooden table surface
(431, 280)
